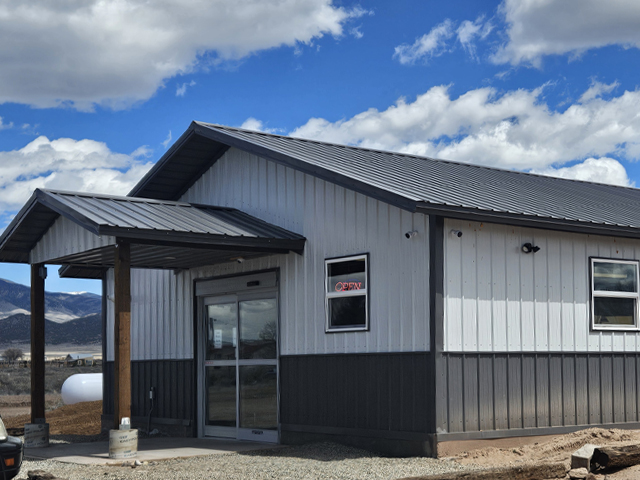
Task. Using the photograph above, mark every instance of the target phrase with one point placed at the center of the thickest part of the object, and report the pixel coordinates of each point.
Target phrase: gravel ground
(315, 461)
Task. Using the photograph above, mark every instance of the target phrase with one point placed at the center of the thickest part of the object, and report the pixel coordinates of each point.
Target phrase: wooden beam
(37, 343)
(122, 333)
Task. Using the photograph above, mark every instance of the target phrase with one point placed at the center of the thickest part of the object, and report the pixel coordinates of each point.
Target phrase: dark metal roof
(422, 184)
(156, 224)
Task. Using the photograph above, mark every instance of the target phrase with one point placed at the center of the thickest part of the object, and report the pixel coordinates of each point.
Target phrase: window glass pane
(346, 276)
(258, 328)
(259, 397)
(347, 312)
(615, 277)
(613, 311)
(222, 331)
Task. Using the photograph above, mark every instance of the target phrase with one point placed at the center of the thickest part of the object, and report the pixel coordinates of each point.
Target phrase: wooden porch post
(122, 333)
(38, 274)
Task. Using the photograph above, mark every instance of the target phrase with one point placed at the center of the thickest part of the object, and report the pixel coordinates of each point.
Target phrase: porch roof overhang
(163, 234)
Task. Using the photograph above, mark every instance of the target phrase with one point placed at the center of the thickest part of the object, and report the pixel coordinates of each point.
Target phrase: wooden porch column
(122, 333)
(37, 343)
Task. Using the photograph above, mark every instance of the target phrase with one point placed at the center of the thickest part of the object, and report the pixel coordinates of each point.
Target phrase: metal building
(284, 290)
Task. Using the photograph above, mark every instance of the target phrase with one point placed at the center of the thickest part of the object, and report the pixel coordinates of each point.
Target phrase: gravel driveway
(314, 461)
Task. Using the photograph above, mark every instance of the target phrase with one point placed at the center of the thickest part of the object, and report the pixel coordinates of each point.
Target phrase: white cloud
(5, 126)
(257, 125)
(167, 140)
(516, 129)
(67, 164)
(117, 52)
(431, 44)
(599, 170)
(536, 28)
(469, 31)
(597, 89)
(182, 89)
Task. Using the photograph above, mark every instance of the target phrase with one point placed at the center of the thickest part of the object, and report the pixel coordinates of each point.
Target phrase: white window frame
(350, 293)
(613, 294)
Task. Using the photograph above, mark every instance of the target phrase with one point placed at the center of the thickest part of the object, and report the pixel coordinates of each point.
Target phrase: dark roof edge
(319, 172)
(527, 221)
(17, 220)
(163, 160)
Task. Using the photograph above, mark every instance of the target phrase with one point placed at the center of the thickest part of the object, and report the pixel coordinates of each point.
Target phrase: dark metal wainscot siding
(509, 394)
(174, 394)
(379, 401)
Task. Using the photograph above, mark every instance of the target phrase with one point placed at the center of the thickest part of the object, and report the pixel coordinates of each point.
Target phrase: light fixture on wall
(530, 248)
(456, 233)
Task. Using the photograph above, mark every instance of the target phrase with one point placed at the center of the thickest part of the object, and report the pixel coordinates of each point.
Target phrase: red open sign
(345, 286)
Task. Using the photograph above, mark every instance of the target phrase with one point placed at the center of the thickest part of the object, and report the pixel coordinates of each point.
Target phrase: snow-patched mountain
(59, 307)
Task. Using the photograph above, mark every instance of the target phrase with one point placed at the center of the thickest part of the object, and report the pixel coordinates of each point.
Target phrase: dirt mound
(557, 449)
(79, 419)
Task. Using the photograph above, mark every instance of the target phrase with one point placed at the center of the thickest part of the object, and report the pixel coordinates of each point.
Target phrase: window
(614, 294)
(346, 287)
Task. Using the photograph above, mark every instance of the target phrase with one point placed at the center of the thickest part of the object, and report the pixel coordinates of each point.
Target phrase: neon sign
(345, 286)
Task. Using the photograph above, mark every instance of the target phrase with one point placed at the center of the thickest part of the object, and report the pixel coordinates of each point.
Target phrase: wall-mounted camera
(411, 234)
(456, 233)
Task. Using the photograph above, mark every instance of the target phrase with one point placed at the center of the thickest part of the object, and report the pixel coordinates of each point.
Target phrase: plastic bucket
(36, 435)
(123, 443)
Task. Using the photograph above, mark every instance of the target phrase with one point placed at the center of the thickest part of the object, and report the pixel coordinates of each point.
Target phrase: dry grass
(16, 380)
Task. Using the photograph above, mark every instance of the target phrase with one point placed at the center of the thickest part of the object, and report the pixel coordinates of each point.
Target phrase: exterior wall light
(530, 248)
(456, 233)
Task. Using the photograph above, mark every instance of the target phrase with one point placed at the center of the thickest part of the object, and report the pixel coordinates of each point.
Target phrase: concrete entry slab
(149, 450)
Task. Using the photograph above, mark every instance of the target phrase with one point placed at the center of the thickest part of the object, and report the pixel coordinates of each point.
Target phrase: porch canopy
(163, 234)
(87, 233)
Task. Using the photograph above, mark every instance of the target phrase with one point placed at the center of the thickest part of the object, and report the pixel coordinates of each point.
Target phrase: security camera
(411, 234)
(456, 233)
(240, 259)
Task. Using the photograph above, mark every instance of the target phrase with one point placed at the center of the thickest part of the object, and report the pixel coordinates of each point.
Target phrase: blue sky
(92, 93)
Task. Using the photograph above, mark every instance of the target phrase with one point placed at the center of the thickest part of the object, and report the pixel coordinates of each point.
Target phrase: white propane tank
(82, 387)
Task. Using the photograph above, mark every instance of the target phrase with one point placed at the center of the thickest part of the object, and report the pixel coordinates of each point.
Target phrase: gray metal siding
(65, 238)
(508, 391)
(498, 299)
(336, 222)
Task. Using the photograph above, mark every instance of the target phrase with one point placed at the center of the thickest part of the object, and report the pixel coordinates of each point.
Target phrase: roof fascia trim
(212, 133)
(49, 201)
(528, 221)
(200, 240)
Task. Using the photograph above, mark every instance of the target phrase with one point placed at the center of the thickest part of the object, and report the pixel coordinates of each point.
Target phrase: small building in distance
(79, 360)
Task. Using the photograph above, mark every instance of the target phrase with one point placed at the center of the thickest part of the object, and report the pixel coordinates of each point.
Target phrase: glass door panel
(259, 397)
(258, 328)
(221, 397)
(222, 331)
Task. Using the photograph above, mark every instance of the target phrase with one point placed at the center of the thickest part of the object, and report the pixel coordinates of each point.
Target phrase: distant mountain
(80, 331)
(59, 307)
